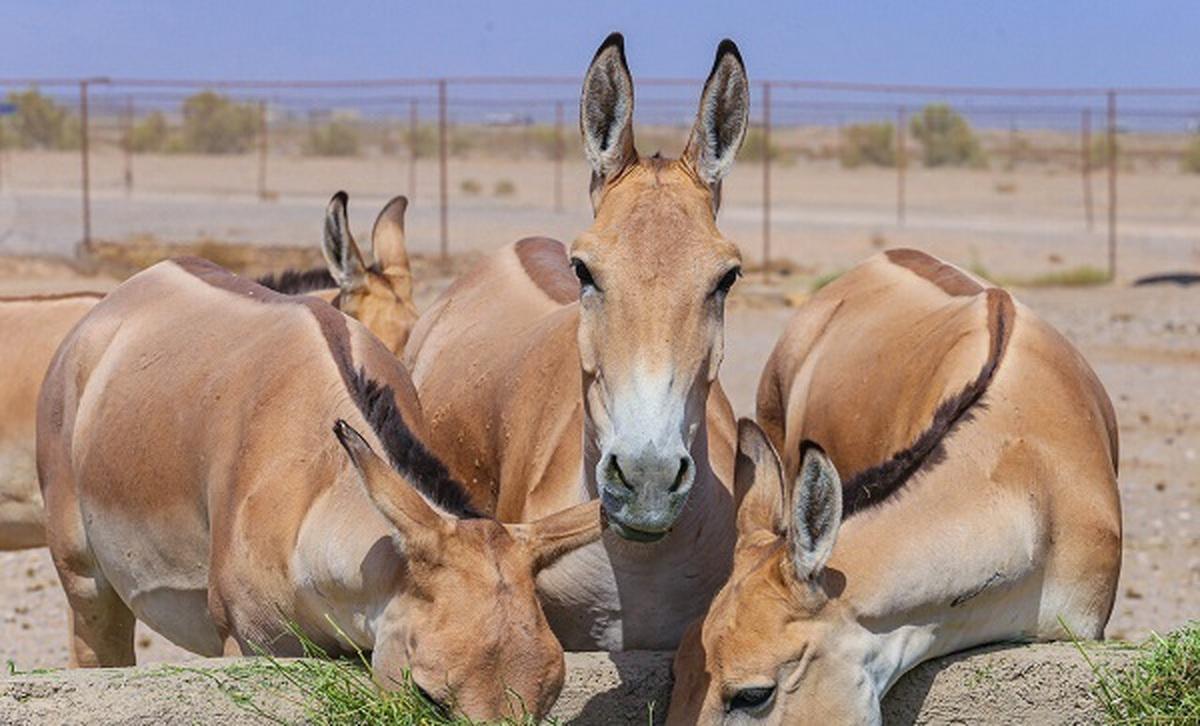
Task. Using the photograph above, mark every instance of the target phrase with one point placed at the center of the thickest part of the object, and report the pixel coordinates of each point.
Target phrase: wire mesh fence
(1020, 180)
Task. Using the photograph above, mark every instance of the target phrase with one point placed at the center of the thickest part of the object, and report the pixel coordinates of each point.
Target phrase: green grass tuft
(1083, 276)
(1161, 687)
(335, 692)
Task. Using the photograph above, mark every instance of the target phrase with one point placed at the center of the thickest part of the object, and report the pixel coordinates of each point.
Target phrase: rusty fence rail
(411, 118)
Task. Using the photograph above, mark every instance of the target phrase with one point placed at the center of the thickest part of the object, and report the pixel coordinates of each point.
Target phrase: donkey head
(465, 620)
(378, 292)
(654, 271)
(777, 645)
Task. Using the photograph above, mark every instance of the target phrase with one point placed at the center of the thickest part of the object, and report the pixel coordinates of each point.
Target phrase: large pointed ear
(816, 514)
(757, 482)
(345, 261)
(723, 117)
(606, 112)
(419, 529)
(555, 535)
(387, 237)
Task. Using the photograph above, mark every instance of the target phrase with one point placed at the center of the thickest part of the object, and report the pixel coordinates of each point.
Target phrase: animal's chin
(636, 535)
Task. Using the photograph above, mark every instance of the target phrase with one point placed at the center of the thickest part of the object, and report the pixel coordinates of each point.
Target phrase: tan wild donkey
(192, 482)
(977, 500)
(378, 293)
(545, 389)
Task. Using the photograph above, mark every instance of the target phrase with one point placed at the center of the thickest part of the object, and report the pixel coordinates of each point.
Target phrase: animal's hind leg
(101, 623)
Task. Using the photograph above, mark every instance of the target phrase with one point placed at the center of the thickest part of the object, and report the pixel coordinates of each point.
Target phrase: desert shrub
(1190, 162)
(873, 144)
(505, 188)
(214, 124)
(41, 123)
(148, 135)
(946, 138)
(333, 139)
(470, 187)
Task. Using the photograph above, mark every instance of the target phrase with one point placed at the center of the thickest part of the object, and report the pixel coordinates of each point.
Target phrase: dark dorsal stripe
(376, 402)
(52, 297)
(949, 278)
(545, 262)
(877, 483)
(298, 282)
(406, 453)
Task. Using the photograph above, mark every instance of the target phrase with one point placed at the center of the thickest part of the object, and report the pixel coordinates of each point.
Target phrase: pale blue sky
(1019, 42)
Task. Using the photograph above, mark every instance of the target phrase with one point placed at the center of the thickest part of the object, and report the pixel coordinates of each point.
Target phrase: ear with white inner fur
(553, 536)
(757, 482)
(816, 514)
(606, 112)
(723, 117)
(342, 255)
(418, 527)
(387, 237)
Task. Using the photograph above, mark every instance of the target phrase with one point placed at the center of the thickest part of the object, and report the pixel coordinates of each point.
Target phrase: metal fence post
(84, 167)
(901, 165)
(1112, 185)
(413, 132)
(262, 150)
(558, 156)
(128, 145)
(442, 173)
(1085, 158)
(766, 183)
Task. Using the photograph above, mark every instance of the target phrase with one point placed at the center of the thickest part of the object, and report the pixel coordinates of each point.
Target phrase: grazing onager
(978, 501)
(192, 482)
(544, 389)
(379, 294)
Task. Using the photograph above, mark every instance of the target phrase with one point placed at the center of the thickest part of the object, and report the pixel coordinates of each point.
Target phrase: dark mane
(408, 455)
(875, 484)
(298, 282)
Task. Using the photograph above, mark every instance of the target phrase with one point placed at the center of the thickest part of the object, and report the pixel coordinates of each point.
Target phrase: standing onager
(981, 504)
(192, 482)
(378, 294)
(498, 361)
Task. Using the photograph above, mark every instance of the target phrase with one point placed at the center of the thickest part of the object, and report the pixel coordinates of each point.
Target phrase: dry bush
(873, 144)
(333, 139)
(470, 187)
(946, 138)
(214, 124)
(505, 188)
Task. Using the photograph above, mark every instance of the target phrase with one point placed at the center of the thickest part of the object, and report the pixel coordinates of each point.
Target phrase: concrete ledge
(1048, 683)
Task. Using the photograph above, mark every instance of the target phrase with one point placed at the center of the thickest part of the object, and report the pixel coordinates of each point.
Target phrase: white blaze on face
(646, 412)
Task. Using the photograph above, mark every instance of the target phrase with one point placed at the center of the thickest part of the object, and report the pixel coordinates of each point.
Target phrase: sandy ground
(1016, 223)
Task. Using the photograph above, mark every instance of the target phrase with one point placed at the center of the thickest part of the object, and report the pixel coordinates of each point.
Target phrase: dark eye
(727, 281)
(583, 273)
(748, 699)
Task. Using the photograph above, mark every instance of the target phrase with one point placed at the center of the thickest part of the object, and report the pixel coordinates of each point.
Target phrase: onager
(378, 293)
(546, 388)
(192, 482)
(977, 500)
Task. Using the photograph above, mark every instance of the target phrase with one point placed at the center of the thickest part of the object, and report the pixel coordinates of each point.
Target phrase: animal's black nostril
(614, 472)
(681, 474)
(438, 706)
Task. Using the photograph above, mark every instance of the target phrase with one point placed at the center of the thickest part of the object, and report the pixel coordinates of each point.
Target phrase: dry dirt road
(1143, 342)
